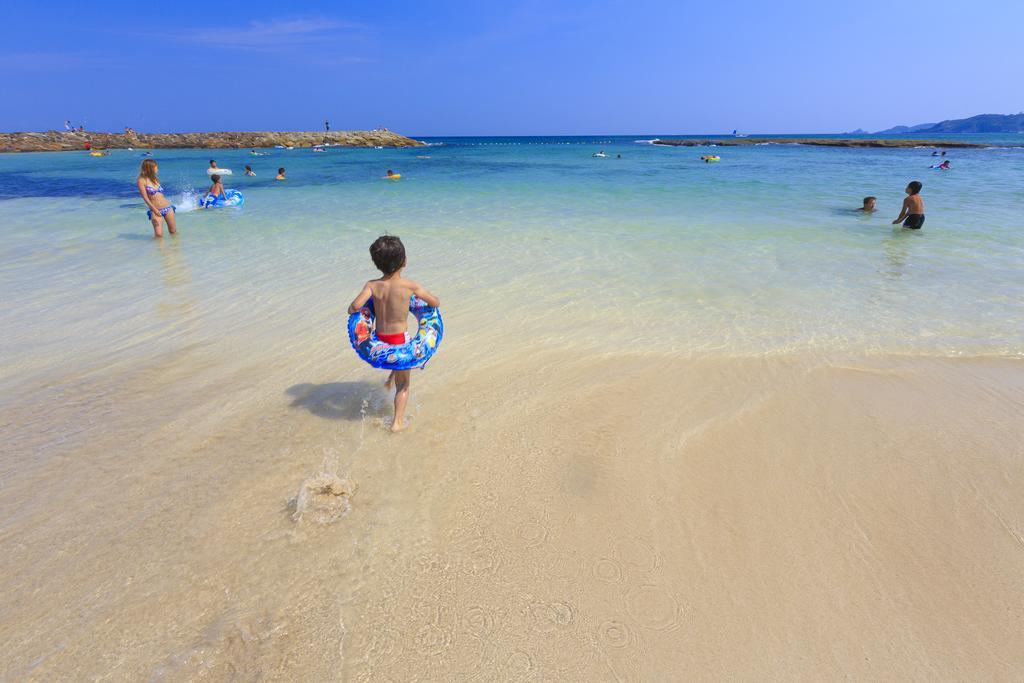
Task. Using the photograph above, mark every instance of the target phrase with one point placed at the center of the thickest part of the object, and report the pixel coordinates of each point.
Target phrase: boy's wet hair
(915, 186)
(388, 253)
(212, 162)
(280, 170)
(215, 178)
(869, 199)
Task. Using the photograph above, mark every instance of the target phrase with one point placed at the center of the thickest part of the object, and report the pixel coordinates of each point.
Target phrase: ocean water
(642, 355)
(531, 241)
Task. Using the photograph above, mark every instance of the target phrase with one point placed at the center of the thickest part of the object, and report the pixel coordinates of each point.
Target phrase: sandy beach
(742, 519)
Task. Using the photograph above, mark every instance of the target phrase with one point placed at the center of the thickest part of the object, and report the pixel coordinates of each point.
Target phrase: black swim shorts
(914, 221)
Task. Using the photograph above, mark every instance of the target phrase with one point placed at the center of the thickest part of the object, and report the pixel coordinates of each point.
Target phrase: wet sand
(546, 517)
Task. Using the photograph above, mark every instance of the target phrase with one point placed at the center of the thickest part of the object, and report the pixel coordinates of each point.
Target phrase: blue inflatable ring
(362, 334)
(230, 198)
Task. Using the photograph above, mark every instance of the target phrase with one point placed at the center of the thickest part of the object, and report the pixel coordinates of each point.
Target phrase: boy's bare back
(914, 204)
(391, 302)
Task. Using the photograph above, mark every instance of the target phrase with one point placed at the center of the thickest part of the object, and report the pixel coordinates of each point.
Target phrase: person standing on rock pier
(327, 126)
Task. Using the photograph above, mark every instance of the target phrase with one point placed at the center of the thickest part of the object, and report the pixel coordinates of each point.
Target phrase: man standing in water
(912, 213)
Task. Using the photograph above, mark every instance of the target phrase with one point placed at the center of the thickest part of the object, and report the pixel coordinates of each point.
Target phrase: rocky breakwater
(818, 142)
(55, 141)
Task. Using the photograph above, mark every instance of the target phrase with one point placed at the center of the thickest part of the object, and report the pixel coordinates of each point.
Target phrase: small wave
(646, 142)
(322, 499)
(189, 201)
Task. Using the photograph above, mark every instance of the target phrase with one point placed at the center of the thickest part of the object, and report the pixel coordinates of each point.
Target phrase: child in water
(216, 190)
(869, 205)
(391, 293)
(249, 171)
(280, 174)
(912, 214)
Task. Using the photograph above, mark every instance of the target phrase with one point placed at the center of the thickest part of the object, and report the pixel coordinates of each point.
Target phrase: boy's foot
(397, 426)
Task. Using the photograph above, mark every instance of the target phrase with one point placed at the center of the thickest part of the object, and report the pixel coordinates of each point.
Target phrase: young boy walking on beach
(391, 293)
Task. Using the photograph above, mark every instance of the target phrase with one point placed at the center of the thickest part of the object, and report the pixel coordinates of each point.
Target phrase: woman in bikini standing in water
(160, 210)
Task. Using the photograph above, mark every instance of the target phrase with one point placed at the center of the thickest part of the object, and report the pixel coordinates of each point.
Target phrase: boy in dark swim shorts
(912, 214)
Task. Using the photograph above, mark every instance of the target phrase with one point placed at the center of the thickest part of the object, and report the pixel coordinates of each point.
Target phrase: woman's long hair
(148, 170)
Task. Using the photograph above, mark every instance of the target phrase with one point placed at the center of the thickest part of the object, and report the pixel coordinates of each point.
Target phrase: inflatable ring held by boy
(414, 353)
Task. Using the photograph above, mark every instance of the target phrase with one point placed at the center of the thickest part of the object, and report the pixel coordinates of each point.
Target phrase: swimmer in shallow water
(869, 205)
(249, 171)
(280, 174)
(912, 214)
(216, 190)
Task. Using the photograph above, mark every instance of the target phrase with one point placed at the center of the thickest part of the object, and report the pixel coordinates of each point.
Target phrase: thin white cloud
(51, 61)
(273, 34)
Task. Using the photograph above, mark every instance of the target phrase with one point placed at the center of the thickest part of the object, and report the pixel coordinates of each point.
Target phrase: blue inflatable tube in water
(415, 353)
(230, 198)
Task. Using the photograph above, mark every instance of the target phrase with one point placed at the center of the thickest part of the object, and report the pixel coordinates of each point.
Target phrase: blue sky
(478, 68)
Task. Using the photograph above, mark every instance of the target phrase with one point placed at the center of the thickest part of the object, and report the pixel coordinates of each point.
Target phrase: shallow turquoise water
(530, 242)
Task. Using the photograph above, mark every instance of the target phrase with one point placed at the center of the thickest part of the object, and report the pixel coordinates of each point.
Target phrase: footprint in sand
(478, 621)
(638, 553)
(532, 534)
(616, 634)
(608, 570)
(548, 617)
(518, 666)
(653, 607)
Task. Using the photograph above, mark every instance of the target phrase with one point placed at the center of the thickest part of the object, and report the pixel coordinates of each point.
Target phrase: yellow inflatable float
(710, 157)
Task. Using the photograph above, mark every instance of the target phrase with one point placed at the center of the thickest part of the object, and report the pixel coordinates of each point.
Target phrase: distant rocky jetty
(818, 142)
(55, 141)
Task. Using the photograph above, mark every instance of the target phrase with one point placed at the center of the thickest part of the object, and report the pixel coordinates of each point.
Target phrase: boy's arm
(904, 212)
(361, 299)
(421, 291)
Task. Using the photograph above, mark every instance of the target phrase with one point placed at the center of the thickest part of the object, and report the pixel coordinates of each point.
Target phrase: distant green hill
(906, 129)
(982, 123)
